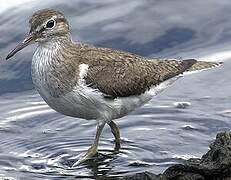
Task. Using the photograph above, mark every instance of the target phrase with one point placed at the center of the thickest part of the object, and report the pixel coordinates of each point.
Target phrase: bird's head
(45, 25)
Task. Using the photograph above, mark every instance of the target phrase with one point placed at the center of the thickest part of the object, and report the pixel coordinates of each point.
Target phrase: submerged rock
(214, 165)
(182, 105)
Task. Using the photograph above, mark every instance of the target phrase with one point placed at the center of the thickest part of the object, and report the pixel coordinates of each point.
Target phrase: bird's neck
(51, 67)
(48, 52)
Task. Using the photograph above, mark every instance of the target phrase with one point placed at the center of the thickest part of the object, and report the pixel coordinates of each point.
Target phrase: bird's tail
(201, 66)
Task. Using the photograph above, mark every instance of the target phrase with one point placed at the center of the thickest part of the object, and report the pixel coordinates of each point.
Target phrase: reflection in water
(38, 143)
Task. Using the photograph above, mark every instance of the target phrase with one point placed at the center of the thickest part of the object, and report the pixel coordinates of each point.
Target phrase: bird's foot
(88, 155)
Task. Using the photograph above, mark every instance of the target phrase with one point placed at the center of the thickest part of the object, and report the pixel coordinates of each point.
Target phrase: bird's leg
(116, 132)
(93, 149)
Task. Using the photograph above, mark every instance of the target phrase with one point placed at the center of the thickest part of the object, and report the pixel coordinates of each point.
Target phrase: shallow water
(38, 143)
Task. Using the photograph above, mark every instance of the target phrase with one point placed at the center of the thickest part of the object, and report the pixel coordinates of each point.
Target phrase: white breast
(41, 68)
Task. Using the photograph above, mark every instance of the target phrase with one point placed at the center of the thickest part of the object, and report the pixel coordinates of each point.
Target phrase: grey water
(38, 143)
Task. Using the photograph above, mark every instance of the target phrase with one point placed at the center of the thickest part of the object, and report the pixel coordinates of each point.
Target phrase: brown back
(121, 74)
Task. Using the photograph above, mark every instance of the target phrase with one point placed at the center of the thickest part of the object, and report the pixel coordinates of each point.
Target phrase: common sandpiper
(93, 83)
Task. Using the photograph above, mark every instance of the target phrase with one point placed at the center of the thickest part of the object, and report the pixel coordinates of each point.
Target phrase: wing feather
(122, 74)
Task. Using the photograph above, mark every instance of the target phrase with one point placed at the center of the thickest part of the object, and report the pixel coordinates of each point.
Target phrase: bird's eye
(50, 24)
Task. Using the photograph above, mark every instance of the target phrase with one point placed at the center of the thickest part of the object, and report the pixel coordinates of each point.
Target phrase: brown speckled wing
(121, 74)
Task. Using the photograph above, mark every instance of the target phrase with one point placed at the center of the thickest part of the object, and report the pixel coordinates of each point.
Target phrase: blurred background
(38, 143)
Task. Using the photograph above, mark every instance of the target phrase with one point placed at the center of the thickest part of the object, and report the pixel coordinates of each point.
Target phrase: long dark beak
(27, 41)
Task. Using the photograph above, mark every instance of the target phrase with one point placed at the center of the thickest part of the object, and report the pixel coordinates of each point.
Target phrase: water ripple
(38, 143)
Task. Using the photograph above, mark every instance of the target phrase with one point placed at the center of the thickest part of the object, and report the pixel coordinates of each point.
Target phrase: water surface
(38, 143)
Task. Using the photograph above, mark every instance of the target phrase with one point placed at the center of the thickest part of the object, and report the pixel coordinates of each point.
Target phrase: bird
(95, 83)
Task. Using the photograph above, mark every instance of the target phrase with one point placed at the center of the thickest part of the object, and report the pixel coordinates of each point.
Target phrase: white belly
(90, 104)
(87, 103)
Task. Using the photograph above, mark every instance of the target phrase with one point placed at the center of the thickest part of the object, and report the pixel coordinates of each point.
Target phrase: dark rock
(214, 165)
(143, 176)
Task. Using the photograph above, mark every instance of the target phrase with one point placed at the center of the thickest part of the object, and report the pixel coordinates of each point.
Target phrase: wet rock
(214, 165)
(143, 176)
